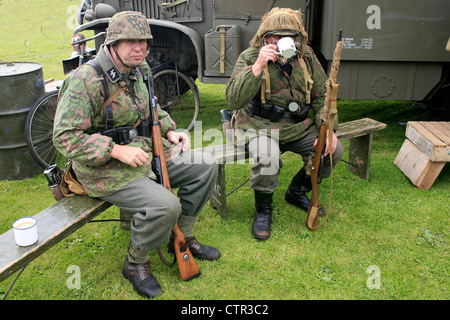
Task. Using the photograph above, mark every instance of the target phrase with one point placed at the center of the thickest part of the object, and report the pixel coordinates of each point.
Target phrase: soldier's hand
(334, 141)
(132, 156)
(266, 54)
(179, 137)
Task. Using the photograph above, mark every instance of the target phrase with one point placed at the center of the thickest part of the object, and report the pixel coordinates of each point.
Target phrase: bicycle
(177, 94)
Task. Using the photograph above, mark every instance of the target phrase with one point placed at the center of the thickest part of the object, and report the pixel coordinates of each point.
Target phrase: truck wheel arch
(189, 36)
(159, 27)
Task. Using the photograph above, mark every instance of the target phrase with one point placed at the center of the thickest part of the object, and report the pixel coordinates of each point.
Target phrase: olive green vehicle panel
(391, 49)
(376, 30)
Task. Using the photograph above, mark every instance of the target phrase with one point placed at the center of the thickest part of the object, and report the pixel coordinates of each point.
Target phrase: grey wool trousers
(157, 210)
(266, 153)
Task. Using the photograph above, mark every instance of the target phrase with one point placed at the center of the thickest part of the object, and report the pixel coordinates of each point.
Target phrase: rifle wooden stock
(312, 218)
(186, 264)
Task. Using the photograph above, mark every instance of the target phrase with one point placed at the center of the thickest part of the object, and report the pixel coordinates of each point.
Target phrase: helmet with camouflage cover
(127, 25)
(283, 22)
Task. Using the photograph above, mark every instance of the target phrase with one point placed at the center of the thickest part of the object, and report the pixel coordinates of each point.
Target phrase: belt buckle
(133, 133)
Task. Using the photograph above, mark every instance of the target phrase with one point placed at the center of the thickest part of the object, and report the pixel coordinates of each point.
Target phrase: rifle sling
(333, 112)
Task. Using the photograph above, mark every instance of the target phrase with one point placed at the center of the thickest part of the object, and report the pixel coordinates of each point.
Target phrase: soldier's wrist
(167, 133)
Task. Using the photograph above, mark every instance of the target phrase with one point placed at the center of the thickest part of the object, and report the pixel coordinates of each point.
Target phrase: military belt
(273, 112)
(125, 134)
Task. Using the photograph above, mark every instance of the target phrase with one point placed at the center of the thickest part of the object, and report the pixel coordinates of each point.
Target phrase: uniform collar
(111, 70)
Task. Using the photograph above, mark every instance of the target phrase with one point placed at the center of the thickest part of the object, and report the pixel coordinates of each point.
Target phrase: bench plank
(358, 128)
(226, 153)
(54, 224)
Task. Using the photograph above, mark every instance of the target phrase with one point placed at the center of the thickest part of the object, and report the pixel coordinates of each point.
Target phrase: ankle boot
(142, 279)
(263, 215)
(296, 192)
(198, 250)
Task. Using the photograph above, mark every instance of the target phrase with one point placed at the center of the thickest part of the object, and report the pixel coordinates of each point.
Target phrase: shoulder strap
(106, 107)
(265, 85)
(308, 80)
(107, 103)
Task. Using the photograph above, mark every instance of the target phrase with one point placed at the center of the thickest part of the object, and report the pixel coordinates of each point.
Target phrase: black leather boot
(198, 250)
(142, 279)
(296, 192)
(263, 216)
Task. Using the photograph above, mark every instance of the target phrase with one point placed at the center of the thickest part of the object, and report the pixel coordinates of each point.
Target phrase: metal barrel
(21, 84)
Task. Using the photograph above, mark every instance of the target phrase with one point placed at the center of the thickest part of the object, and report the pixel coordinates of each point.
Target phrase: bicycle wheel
(178, 95)
(39, 131)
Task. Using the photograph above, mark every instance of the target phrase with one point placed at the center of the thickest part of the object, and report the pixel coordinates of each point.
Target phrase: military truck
(392, 50)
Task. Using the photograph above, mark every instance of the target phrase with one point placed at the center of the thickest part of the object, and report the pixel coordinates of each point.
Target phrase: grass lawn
(384, 238)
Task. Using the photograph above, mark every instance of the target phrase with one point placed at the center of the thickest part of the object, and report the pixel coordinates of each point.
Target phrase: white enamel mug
(25, 231)
(286, 47)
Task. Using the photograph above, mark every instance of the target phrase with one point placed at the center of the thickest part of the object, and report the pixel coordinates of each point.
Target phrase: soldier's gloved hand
(132, 156)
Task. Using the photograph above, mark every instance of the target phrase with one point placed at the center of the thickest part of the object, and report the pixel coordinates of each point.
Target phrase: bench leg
(218, 198)
(359, 156)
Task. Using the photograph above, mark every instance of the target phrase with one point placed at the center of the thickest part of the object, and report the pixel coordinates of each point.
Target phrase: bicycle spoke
(39, 130)
(180, 99)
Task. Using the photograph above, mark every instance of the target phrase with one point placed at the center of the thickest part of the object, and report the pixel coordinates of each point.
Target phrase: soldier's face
(273, 39)
(132, 52)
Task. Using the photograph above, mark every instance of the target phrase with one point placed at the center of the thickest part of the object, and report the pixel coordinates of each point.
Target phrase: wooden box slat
(432, 138)
(417, 166)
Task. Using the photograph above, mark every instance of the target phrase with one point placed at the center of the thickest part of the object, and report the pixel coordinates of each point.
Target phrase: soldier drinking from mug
(278, 102)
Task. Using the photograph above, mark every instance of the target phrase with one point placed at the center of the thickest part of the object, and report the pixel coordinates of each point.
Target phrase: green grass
(384, 222)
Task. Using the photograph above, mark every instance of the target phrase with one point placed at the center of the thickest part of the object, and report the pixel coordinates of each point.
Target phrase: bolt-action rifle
(327, 117)
(186, 264)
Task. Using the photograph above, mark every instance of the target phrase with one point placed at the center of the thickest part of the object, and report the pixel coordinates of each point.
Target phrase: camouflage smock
(243, 86)
(78, 118)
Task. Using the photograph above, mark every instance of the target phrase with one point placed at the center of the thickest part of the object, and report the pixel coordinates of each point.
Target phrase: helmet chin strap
(120, 59)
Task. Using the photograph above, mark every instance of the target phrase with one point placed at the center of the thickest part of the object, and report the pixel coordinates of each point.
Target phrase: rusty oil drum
(21, 84)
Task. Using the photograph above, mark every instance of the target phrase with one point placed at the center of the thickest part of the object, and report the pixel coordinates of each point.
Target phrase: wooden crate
(425, 152)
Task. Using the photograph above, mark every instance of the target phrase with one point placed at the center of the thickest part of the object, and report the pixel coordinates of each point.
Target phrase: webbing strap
(308, 80)
(111, 98)
(107, 120)
(265, 84)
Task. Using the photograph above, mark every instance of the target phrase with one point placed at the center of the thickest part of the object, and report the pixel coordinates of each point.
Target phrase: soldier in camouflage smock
(122, 173)
(278, 114)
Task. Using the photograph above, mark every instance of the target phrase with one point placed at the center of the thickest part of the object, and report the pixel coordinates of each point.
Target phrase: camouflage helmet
(283, 22)
(127, 25)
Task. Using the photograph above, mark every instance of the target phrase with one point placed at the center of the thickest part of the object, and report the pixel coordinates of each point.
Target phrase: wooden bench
(54, 224)
(69, 214)
(360, 132)
(425, 152)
